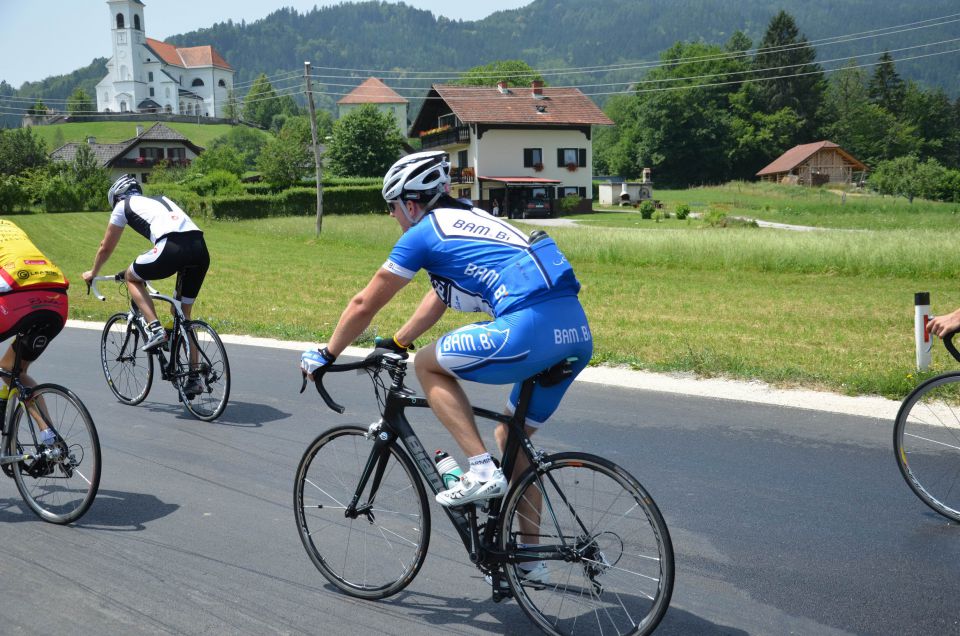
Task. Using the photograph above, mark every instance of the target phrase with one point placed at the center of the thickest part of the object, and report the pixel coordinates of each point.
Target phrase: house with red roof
(373, 91)
(149, 76)
(813, 164)
(523, 147)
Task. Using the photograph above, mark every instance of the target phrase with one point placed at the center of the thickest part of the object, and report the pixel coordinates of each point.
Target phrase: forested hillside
(377, 37)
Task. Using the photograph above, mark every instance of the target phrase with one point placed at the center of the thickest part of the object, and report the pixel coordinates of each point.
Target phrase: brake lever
(303, 386)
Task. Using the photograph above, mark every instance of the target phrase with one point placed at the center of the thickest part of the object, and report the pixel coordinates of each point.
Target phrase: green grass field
(826, 309)
(117, 131)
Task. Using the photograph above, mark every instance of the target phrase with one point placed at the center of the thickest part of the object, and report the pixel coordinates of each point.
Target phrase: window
(572, 190)
(532, 157)
(119, 21)
(150, 76)
(575, 156)
(151, 153)
(136, 22)
(177, 154)
(447, 120)
(222, 84)
(463, 193)
(462, 159)
(197, 82)
(151, 91)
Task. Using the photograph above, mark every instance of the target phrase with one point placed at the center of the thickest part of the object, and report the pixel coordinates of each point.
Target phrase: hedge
(298, 202)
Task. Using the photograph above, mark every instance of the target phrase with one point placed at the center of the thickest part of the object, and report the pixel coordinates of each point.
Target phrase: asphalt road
(784, 521)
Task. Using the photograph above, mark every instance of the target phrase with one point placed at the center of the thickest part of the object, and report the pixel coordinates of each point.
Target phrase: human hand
(88, 276)
(393, 345)
(944, 325)
(315, 359)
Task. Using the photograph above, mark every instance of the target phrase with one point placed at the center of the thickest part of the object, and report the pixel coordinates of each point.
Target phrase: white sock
(482, 466)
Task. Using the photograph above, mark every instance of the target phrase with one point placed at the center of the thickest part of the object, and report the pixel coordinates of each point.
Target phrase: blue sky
(35, 44)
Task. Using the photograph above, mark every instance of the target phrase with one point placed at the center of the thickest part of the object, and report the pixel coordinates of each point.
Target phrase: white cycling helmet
(122, 188)
(420, 177)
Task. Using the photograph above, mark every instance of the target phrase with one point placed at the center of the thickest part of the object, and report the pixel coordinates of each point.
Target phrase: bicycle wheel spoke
(202, 365)
(618, 575)
(128, 371)
(52, 484)
(379, 551)
(927, 443)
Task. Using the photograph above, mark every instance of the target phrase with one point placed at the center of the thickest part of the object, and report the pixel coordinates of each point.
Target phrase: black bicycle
(58, 479)
(604, 552)
(926, 440)
(193, 352)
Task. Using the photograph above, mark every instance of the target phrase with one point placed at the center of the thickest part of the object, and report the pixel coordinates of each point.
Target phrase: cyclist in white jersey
(178, 248)
(476, 263)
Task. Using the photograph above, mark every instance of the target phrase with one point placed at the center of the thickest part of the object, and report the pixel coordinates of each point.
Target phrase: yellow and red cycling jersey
(23, 266)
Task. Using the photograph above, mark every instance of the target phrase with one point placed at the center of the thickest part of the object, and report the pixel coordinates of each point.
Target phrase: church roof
(373, 91)
(187, 57)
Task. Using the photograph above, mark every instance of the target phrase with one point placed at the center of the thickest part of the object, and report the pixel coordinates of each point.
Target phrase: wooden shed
(814, 165)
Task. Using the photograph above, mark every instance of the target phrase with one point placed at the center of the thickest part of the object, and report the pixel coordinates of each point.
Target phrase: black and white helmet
(421, 177)
(122, 188)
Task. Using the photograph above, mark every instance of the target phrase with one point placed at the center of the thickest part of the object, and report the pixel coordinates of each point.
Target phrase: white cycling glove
(315, 359)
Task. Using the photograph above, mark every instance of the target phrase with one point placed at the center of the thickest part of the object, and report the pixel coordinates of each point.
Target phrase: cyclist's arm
(363, 307)
(943, 325)
(427, 314)
(107, 245)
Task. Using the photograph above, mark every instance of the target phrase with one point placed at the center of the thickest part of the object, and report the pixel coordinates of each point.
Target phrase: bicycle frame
(19, 393)
(478, 539)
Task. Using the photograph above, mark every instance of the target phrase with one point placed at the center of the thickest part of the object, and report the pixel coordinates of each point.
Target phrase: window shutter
(527, 157)
(559, 157)
(583, 157)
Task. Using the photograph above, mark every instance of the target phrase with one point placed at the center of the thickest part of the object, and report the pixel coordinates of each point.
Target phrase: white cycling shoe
(538, 577)
(470, 489)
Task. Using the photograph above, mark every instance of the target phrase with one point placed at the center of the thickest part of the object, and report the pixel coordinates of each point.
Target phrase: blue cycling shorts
(515, 346)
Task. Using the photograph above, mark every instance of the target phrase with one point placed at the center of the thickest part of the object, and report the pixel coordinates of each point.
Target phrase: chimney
(646, 175)
(139, 130)
(502, 87)
(537, 87)
(91, 140)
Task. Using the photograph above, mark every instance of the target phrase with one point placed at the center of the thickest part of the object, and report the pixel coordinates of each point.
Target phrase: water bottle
(448, 468)
(4, 395)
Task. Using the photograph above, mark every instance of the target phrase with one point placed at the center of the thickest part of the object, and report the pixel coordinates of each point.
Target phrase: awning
(521, 180)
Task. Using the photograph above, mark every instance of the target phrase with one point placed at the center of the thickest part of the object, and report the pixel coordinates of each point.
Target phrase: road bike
(362, 515)
(193, 350)
(926, 440)
(58, 480)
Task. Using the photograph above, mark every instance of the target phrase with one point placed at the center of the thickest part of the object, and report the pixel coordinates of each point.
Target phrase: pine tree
(789, 75)
(886, 88)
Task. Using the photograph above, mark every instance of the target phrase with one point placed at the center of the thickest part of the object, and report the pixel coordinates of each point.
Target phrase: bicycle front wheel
(60, 483)
(129, 371)
(926, 439)
(380, 551)
(204, 381)
(617, 577)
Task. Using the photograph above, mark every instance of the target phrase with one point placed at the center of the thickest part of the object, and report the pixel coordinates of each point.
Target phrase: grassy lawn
(830, 310)
(117, 131)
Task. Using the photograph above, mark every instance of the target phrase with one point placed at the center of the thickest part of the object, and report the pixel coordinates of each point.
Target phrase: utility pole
(316, 147)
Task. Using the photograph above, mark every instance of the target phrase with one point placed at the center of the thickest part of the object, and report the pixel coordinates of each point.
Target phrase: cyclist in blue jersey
(476, 263)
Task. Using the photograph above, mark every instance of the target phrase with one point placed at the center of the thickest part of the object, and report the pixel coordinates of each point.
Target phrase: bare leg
(138, 292)
(529, 509)
(448, 401)
(187, 310)
(6, 363)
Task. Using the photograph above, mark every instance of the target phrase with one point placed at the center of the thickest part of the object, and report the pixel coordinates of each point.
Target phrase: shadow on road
(241, 414)
(111, 510)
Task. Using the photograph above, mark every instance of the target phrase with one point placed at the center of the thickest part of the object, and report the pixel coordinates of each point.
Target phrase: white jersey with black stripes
(152, 217)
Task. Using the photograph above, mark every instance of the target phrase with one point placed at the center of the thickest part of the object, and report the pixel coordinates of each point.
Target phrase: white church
(149, 76)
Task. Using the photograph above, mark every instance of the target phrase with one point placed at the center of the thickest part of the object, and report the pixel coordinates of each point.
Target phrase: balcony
(461, 175)
(149, 162)
(445, 136)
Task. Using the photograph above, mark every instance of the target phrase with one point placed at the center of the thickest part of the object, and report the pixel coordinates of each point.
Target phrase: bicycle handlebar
(371, 362)
(948, 343)
(119, 277)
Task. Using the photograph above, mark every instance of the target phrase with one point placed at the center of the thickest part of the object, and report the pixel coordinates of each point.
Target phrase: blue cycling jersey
(478, 262)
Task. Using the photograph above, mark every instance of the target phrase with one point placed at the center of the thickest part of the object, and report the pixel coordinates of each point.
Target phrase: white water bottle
(448, 467)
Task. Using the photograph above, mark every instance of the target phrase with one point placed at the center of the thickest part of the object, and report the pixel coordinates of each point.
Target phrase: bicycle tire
(214, 371)
(926, 442)
(127, 369)
(59, 488)
(621, 576)
(347, 551)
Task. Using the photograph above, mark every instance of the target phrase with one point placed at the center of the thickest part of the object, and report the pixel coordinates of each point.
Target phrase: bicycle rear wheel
(60, 484)
(379, 553)
(926, 440)
(129, 371)
(619, 576)
(212, 369)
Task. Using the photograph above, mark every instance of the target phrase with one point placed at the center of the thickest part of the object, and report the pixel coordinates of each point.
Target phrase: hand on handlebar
(943, 325)
(314, 359)
(393, 345)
